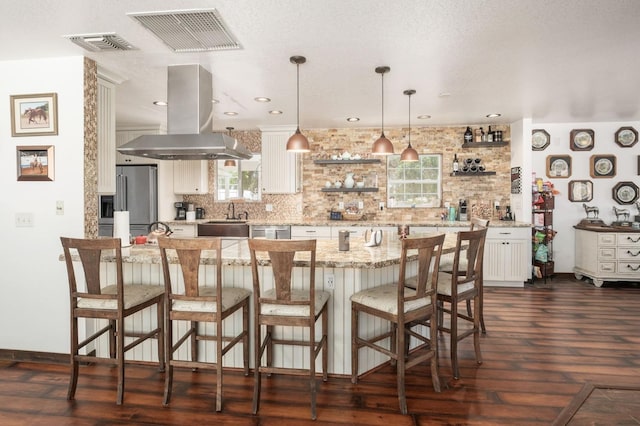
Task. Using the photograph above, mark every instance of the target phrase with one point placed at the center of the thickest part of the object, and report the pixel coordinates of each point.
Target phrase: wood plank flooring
(543, 344)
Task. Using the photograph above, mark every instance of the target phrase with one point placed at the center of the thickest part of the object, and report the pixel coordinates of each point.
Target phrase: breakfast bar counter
(341, 273)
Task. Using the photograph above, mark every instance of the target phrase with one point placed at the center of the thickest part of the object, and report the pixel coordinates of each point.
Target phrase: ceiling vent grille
(100, 42)
(195, 30)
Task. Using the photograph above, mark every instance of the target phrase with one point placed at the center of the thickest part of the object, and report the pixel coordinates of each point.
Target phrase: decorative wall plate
(626, 137)
(558, 166)
(581, 140)
(602, 166)
(625, 192)
(580, 190)
(540, 139)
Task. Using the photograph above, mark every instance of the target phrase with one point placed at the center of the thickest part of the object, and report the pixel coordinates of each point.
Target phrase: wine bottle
(490, 135)
(468, 135)
(483, 135)
(456, 166)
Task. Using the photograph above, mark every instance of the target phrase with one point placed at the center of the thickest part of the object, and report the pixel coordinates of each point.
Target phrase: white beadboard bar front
(353, 270)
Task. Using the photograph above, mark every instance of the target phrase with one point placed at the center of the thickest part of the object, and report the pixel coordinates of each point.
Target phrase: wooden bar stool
(94, 298)
(287, 306)
(197, 302)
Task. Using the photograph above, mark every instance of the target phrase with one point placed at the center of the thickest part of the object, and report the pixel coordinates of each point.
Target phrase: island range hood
(189, 115)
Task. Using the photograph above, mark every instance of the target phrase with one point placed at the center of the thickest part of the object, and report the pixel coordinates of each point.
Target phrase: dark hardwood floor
(543, 344)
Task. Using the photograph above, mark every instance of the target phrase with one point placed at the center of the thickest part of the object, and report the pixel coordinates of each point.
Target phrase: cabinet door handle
(633, 268)
(633, 254)
(632, 240)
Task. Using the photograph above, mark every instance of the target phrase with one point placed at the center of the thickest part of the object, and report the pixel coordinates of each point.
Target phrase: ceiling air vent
(100, 42)
(196, 30)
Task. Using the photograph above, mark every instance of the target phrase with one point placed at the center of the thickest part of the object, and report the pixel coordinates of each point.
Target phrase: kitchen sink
(224, 228)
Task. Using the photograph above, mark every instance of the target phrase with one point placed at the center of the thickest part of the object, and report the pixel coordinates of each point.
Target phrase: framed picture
(580, 191)
(626, 137)
(540, 139)
(602, 166)
(35, 162)
(581, 140)
(34, 115)
(625, 192)
(558, 166)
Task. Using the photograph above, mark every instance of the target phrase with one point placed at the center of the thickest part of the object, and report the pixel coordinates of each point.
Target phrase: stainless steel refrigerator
(136, 192)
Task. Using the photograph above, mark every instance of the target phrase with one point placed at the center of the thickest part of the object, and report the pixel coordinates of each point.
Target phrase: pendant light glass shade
(298, 142)
(382, 146)
(409, 154)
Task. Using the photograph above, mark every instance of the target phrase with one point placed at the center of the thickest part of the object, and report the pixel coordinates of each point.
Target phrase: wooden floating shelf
(360, 161)
(463, 174)
(484, 144)
(349, 189)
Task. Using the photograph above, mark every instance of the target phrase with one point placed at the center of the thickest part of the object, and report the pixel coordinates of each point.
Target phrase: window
(414, 184)
(239, 181)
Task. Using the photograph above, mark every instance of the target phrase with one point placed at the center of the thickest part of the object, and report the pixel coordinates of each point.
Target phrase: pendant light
(298, 142)
(230, 163)
(382, 146)
(409, 154)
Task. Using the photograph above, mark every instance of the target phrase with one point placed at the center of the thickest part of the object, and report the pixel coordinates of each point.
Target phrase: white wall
(567, 213)
(34, 299)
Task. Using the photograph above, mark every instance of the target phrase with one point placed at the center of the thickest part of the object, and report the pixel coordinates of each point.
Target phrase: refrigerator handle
(121, 193)
(125, 196)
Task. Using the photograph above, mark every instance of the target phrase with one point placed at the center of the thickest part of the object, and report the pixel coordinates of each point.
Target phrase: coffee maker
(181, 210)
(462, 211)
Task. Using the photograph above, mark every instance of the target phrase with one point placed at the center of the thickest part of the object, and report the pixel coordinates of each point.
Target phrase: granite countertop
(364, 223)
(236, 253)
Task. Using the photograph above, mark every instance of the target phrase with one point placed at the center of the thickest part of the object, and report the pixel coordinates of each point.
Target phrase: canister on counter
(343, 240)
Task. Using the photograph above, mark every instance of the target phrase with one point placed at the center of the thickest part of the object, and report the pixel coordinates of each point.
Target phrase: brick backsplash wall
(479, 191)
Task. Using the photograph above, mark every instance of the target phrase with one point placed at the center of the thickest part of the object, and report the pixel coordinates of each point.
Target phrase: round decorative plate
(626, 137)
(559, 167)
(603, 166)
(582, 140)
(539, 140)
(625, 192)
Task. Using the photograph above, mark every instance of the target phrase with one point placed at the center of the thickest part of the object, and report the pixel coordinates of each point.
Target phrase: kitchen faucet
(231, 207)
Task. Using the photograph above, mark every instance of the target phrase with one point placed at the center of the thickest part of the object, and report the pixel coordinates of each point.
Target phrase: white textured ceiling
(552, 61)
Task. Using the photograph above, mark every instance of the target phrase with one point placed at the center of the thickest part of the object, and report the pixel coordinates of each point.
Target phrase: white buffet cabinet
(607, 255)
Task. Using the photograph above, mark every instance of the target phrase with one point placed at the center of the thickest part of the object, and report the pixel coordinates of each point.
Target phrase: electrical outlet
(340, 205)
(269, 207)
(361, 205)
(329, 281)
(381, 205)
(24, 220)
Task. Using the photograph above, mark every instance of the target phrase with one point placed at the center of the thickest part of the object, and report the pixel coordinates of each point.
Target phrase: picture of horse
(33, 163)
(34, 115)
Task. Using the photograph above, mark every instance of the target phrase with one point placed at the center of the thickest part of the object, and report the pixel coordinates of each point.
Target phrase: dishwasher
(272, 232)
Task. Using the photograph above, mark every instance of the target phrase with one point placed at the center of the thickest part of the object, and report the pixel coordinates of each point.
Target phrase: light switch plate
(59, 207)
(24, 220)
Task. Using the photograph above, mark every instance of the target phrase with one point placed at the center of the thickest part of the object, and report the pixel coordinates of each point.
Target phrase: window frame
(432, 199)
(221, 170)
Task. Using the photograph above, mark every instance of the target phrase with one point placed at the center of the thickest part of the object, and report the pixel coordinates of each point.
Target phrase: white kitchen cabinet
(506, 257)
(106, 130)
(190, 176)
(607, 256)
(184, 230)
(281, 170)
(126, 135)
(300, 232)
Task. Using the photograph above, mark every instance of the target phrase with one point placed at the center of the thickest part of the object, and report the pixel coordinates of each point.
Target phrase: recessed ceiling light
(494, 115)
(352, 119)
(230, 113)
(160, 103)
(262, 99)
(215, 101)
(275, 112)
(424, 117)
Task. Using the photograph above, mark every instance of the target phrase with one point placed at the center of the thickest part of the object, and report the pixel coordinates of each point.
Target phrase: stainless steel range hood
(189, 114)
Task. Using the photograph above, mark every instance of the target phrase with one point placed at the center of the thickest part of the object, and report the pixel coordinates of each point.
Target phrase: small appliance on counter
(181, 210)
(200, 213)
(343, 240)
(462, 211)
(373, 237)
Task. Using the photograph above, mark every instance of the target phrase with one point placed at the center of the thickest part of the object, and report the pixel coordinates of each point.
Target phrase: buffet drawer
(630, 253)
(607, 253)
(609, 267)
(629, 268)
(627, 239)
(606, 240)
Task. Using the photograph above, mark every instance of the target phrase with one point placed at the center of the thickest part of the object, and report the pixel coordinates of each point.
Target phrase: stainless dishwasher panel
(272, 232)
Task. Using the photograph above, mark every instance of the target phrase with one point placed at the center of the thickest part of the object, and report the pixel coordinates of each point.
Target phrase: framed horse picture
(35, 162)
(34, 115)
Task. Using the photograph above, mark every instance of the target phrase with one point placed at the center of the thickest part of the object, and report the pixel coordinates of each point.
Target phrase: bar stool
(403, 307)
(115, 302)
(189, 300)
(286, 306)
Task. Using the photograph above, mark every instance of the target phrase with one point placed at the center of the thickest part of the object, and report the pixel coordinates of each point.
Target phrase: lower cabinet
(187, 230)
(607, 256)
(506, 257)
(310, 232)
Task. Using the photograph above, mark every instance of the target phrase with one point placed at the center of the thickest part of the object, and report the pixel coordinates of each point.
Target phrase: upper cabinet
(190, 176)
(125, 135)
(106, 129)
(281, 170)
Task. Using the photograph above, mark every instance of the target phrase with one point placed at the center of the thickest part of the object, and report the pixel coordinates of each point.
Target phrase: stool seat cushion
(134, 294)
(231, 296)
(385, 298)
(293, 310)
(444, 284)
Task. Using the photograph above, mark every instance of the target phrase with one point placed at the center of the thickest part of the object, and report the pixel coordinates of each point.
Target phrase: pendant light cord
(409, 121)
(298, 96)
(382, 74)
